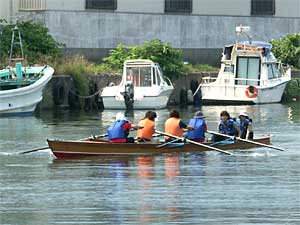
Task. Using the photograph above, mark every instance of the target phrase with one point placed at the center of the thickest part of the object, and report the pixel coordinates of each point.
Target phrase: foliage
(162, 53)
(36, 40)
(292, 90)
(190, 68)
(287, 49)
(79, 68)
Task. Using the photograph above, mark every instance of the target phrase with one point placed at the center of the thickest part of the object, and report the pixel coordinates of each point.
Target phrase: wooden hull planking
(70, 149)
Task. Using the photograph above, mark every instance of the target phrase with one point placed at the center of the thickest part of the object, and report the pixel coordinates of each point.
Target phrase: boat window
(248, 71)
(227, 52)
(158, 72)
(273, 71)
(140, 76)
(153, 76)
(229, 69)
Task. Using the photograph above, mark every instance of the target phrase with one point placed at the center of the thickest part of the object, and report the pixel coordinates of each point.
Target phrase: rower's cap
(243, 113)
(120, 116)
(199, 114)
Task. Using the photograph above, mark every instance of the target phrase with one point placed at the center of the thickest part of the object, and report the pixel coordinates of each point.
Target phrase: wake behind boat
(143, 86)
(249, 74)
(96, 147)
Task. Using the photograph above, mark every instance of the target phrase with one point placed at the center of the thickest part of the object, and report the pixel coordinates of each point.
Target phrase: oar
(34, 150)
(193, 142)
(169, 142)
(46, 147)
(96, 137)
(245, 140)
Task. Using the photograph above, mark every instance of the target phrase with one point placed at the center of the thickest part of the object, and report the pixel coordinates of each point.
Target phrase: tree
(162, 53)
(37, 42)
(287, 49)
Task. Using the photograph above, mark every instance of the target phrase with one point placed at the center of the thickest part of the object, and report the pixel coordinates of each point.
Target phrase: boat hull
(237, 94)
(25, 99)
(70, 149)
(147, 102)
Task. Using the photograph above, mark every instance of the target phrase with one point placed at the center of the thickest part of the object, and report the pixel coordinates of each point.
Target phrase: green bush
(292, 90)
(287, 49)
(162, 53)
(190, 68)
(36, 40)
(79, 68)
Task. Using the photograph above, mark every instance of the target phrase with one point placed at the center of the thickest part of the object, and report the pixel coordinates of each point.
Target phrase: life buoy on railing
(251, 92)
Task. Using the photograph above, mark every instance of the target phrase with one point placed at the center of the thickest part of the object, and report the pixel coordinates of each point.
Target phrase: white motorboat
(249, 74)
(143, 86)
(21, 88)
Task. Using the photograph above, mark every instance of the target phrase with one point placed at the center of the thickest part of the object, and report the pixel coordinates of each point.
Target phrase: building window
(262, 7)
(101, 4)
(181, 6)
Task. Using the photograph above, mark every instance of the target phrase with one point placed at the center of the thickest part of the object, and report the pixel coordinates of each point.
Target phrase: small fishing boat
(94, 147)
(143, 86)
(249, 74)
(21, 88)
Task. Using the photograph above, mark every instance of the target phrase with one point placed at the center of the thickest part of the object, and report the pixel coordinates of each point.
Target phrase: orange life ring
(251, 92)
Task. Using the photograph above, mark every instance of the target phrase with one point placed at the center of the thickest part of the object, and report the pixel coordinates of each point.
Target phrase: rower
(200, 127)
(228, 126)
(175, 126)
(118, 132)
(145, 134)
(245, 125)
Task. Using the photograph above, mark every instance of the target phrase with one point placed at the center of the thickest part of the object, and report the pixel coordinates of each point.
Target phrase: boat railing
(235, 81)
(208, 79)
(167, 81)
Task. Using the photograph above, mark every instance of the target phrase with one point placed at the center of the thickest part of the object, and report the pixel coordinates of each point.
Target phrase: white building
(199, 27)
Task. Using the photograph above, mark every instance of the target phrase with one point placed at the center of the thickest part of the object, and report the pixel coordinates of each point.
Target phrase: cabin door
(248, 71)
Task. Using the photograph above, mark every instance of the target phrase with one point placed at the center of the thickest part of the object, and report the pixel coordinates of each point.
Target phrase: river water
(261, 186)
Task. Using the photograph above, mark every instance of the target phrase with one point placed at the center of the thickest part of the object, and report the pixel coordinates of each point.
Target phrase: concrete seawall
(61, 92)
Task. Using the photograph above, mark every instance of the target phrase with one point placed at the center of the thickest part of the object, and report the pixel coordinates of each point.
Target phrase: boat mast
(16, 32)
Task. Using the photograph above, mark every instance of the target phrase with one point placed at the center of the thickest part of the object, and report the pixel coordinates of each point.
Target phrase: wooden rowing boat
(90, 147)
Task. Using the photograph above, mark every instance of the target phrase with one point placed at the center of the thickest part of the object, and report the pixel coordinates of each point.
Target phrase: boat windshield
(139, 75)
(273, 71)
(248, 71)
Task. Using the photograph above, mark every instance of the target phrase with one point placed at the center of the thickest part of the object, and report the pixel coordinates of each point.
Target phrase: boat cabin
(143, 73)
(143, 86)
(251, 63)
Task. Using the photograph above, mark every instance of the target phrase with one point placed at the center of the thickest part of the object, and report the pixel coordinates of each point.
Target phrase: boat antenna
(243, 30)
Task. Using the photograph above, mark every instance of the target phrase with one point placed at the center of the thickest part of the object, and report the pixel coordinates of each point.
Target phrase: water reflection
(145, 166)
(293, 112)
(172, 166)
(191, 188)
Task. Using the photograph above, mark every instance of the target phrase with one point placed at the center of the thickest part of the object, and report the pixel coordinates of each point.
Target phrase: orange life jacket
(148, 129)
(172, 127)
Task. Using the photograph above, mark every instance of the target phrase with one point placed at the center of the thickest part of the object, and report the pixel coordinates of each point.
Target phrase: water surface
(261, 186)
